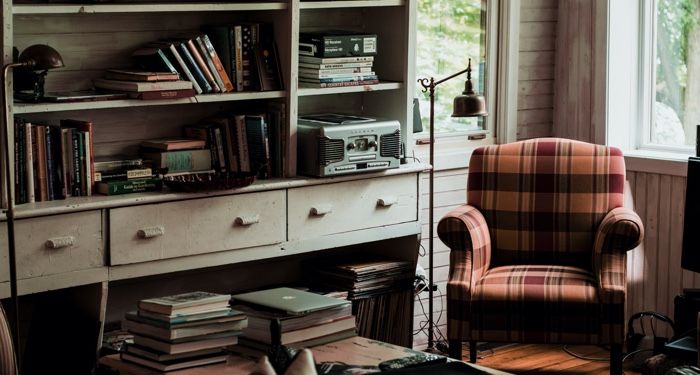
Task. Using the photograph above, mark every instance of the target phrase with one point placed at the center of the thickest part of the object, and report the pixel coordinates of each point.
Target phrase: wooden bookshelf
(44, 9)
(350, 4)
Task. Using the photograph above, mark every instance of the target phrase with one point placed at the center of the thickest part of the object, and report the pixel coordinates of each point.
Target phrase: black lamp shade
(469, 105)
(41, 57)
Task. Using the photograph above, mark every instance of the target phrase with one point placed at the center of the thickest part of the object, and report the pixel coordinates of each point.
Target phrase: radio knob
(351, 146)
(372, 144)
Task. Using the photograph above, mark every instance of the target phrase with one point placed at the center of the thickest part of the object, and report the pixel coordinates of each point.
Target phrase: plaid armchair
(538, 253)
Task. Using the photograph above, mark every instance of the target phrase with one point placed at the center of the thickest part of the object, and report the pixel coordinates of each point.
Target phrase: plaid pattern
(538, 253)
(537, 303)
(7, 354)
(620, 231)
(544, 198)
(464, 230)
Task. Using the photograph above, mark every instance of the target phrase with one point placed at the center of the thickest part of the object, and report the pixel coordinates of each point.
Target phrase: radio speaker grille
(390, 145)
(330, 151)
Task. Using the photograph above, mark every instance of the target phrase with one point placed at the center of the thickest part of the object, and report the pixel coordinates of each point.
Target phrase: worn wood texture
(195, 227)
(538, 32)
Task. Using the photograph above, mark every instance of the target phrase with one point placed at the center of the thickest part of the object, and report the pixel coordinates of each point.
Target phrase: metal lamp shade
(469, 105)
(41, 57)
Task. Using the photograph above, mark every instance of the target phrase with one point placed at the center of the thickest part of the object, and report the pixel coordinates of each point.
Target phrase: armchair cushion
(536, 303)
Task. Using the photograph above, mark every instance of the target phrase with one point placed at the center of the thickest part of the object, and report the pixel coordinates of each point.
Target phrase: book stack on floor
(181, 331)
(294, 318)
(52, 161)
(123, 175)
(382, 293)
(337, 59)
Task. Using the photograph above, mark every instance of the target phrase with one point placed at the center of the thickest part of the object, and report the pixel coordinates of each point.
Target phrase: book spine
(228, 130)
(77, 178)
(49, 164)
(42, 182)
(332, 73)
(242, 144)
(359, 77)
(128, 174)
(184, 69)
(20, 173)
(166, 61)
(194, 68)
(211, 144)
(66, 161)
(248, 72)
(202, 65)
(335, 60)
(130, 186)
(117, 164)
(181, 161)
(339, 84)
(210, 63)
(221, 38)
(218, 65)
(258, 145)
(81, 162)
(326, 46)
(220, 149)
(354, 65)
(29, 162)
(87, 136)
(162, 94)
(238, 56)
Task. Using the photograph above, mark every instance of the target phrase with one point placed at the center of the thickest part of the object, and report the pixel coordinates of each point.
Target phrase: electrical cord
(579, 356)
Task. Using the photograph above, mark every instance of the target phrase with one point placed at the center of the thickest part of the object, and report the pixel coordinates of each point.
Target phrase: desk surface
(355, 352)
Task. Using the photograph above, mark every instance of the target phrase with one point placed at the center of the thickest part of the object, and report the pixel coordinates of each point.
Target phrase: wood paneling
(538, 28)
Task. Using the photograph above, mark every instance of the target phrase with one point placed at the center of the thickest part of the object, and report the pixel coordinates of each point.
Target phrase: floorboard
(546, 359)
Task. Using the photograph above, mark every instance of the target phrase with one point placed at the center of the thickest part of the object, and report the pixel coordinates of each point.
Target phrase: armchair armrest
(465, 231)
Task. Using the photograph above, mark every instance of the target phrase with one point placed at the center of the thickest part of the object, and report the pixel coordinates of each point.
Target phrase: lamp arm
(428, 83)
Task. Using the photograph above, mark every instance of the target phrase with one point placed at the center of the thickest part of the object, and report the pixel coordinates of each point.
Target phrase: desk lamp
(469, 104)
(35, 58)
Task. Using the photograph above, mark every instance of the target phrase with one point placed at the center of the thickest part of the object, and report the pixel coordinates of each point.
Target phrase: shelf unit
(94, 37)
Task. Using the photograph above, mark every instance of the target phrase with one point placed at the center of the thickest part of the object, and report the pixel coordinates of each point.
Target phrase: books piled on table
(294, 318)
(177, 155)
(52, 161)
(145, 84)
(337, 59)
(123, 175)
(181, 331)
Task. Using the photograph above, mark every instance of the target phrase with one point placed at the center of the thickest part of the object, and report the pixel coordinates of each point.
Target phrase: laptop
(292, 301)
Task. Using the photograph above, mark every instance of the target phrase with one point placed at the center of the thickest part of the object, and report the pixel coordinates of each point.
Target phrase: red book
(163, 94)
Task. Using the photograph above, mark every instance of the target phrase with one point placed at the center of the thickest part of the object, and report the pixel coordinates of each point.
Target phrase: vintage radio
(332, 144)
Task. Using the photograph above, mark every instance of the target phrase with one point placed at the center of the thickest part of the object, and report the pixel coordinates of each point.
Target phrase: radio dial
(372, 144)
(351, 146)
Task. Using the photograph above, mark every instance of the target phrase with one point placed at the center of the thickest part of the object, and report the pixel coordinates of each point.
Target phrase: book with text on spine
(129, 186)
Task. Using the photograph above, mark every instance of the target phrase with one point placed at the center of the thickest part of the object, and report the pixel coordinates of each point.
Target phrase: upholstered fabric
(544, 198)
(538, 252)
(536, 303)
(7, 354)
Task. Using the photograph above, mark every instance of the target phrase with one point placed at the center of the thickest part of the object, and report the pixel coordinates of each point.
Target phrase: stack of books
(182, 331)
(294, 318)
(123, 175)
(337, 59)
(177, 156)
(145, 85)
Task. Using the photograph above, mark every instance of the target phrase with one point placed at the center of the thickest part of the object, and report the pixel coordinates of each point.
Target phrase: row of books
(182, 331)
(337, 59)
(52, 161)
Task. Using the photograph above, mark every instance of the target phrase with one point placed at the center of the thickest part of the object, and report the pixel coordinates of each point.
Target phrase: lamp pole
(466, 105)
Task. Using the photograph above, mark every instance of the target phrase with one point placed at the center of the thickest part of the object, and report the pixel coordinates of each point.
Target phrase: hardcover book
(181, 160)
(140, 75)
(194, 51)
(199, 43)
(216, 61)
(171, 144)
(176, 364)
(162, 94)
(171, 304)
(337, 43)
(153, 59)
(180, 64)
(142, 86)
(201, 342)
(268, 69)
(129, 186)
(133, 323)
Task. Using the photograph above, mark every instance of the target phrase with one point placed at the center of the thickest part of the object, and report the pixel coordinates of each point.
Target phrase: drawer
(4, 257)
(198, 226)
(342, 207)
(58, 244)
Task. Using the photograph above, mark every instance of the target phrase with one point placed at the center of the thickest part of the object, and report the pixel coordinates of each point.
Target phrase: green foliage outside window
(449, 33)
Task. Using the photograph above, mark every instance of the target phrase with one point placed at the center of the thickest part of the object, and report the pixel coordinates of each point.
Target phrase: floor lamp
(469, 104)
(36, 57)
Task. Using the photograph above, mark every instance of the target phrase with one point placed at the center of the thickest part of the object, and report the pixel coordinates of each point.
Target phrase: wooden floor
(545, 359)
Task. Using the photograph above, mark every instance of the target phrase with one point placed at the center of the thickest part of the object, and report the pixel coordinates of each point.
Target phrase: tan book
(303, 334)
(197, 301)
(171, 144)
(174, 333)
(215, 341)
(133, 86)
(140, 75)
(176, 364)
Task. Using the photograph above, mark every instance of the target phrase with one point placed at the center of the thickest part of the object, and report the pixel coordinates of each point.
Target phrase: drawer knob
(321, 209)
(151, 232)
(59, 242)
(387, 201)
(247, 220)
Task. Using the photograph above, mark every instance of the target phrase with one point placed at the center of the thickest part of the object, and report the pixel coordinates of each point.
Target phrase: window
(672, 79)
(449, 33)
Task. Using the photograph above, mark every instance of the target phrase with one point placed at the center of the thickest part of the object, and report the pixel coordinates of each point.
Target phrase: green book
(129, 186)
(180, 161)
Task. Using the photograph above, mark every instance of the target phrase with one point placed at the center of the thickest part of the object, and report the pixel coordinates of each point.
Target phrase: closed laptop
(292, 301)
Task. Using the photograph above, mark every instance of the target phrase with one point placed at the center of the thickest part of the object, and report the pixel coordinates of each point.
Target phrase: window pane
(449, 33)
(676, 110)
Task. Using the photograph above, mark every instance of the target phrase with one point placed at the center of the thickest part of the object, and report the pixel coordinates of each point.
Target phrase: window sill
(659, 162)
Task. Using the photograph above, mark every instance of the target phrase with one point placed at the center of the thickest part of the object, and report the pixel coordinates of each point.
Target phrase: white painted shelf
(350, 4)
(143, 8)
(382, 86)
(20, 108)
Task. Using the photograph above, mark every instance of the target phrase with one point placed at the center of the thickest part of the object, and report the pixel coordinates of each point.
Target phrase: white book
(335, 60)
(335, 66)
(334, 75)
(133, 86)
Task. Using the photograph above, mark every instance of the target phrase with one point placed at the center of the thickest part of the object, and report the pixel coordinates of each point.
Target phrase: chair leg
(455, 349)
(472, 351)
(616, 359)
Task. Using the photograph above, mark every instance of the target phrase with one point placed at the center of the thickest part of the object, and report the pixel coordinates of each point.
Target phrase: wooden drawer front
(57, 244)
(169, 230)
(326, 209)
(4, 257)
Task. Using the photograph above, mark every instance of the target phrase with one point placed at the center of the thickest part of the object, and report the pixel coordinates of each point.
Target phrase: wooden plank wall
(538, 27)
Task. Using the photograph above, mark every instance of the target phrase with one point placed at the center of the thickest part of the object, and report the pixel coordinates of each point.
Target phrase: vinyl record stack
(337, 59)
(182, 331)
(382, 295)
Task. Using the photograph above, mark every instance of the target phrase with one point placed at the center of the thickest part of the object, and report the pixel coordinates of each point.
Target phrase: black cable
(579, 356)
